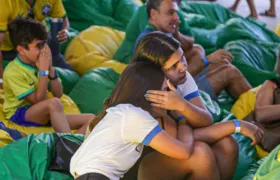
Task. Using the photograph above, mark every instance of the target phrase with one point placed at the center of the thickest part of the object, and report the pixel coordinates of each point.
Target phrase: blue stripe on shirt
(151, 135)
(192, 95)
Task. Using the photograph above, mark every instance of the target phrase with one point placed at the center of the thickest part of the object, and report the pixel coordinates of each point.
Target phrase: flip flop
(267, 13)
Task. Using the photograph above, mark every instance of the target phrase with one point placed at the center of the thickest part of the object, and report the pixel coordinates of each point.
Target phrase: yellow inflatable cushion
(244, 106)
(5, 138)
(93, 48)
(277, 29)
(69, 108)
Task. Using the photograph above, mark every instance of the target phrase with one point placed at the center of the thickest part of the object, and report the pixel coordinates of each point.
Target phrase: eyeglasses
(39, 45)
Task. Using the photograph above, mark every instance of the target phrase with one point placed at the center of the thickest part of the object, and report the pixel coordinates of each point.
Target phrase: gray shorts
(203, 83)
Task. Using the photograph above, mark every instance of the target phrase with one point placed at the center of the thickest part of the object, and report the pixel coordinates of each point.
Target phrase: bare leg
(201, 165)
(252, 8)
(226, 153)
(235, 5)
(271, 11)
(50, 109)
(79, 121)
(230, 78)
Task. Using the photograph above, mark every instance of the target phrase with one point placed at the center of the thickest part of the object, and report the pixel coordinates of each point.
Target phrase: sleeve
(189, 89)
(139, 126)
(19, 86)
(58, 10)
(4, 16)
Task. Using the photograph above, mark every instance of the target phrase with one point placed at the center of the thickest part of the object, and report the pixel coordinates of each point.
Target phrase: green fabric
(68, 79)
(247, 155)
(93, 89)
(112, 13)
(29, 157)
(270, 168)
(253, 169)
(135, 27)
(213, 25)
(237, 28)
(254, 59)
(217, 113)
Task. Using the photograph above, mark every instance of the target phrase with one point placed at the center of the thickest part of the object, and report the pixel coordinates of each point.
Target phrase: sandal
(267, 13)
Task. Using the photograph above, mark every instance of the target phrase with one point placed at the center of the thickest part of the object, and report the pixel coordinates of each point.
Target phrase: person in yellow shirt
(38, 10)
(26, 82)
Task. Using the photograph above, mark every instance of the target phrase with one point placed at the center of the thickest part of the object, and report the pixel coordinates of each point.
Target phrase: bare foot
(254, 16)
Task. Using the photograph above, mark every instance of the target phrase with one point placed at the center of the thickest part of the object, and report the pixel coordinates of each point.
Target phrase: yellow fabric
(20, 80)
(5, 138)
(93, 48)
(244, 106)
(11, 9)
(69, 108)
(277, 29)
(139, 2)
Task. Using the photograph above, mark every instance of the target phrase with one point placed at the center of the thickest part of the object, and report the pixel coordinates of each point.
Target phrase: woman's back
(116, 143)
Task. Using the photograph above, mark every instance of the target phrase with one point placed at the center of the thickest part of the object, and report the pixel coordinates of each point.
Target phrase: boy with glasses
(27, 78)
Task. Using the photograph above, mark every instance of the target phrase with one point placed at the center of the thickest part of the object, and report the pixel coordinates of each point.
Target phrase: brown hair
(134, 82)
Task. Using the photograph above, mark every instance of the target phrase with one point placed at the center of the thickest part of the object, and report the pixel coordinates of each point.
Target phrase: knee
(228, 147)
(231, 71)
(54, 104)
(203, 155)
(197, 50)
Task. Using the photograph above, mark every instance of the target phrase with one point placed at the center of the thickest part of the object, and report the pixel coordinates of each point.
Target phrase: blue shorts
(19, 117)
(203, 83)
(12, 132)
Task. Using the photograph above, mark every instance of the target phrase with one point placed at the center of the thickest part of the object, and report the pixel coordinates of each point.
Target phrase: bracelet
(178, 119)
(55, 76)
(237, 126)
(206, 62)
(44, 72)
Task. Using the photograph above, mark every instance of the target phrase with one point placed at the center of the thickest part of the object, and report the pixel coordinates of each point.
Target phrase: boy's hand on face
(44, 60)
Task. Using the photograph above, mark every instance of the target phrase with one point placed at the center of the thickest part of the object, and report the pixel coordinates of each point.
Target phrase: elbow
(258, 115)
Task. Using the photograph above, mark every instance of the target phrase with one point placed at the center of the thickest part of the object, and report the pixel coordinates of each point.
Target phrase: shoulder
(189, 87)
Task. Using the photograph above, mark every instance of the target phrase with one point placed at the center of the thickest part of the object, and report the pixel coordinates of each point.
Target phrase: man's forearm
(56, 87)
(186, 41)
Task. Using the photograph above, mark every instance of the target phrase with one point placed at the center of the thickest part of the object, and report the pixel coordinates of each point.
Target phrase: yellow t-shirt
(11, 9)
(19, 80)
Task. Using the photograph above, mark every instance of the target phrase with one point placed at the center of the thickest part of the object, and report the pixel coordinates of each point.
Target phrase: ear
(20, 49)
(154, 14)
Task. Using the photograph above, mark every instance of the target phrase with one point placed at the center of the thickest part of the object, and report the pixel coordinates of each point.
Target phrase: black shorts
(92, 176)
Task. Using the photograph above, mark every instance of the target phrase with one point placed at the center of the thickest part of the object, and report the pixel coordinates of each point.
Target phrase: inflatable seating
(244, 106)
(255, 59)
(94, 48)
(5, 138)
(112, 13)
(270, 167)
(31, 156)
(69, 108)
(253, 169)
(93, 89)
(277, 29)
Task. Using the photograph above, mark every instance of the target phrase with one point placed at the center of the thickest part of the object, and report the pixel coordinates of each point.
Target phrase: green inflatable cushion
(253, 169)
(112, 13)
(93, 89)
(270, 168)
(29, 157)
(255, 59)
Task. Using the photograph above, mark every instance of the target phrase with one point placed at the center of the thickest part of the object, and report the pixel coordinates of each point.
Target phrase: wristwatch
(44, 72)
(55, 76)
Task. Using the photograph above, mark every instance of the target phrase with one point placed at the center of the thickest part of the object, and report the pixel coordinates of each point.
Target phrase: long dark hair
(134, 82)
(155, 47)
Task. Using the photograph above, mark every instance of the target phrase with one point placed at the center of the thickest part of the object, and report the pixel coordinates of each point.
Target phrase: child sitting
(27, 78)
